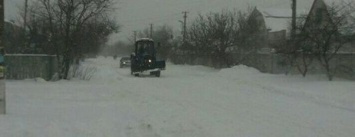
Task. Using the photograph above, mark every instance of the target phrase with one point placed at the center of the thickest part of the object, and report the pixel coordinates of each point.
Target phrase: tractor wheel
(157, 73)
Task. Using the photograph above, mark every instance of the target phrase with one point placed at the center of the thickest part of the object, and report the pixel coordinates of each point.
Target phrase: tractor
(144, 59)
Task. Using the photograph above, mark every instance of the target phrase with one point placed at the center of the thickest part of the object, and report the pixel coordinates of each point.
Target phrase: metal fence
(27, 66)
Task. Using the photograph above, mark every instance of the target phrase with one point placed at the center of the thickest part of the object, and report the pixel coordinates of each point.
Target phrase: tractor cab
(145, 49)
(143, 59)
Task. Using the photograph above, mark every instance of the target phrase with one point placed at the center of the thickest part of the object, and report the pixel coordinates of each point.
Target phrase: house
(330, 29)
(336, 19)
(277, 24)
(318, 16)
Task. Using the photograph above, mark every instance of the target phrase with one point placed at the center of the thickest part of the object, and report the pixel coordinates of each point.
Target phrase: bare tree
(226, 38)
(163, 36)
(298, 51)
(324, 31)
(71, 23)
(145, 33)
(304, 60)
(251, 36)
(213, 34)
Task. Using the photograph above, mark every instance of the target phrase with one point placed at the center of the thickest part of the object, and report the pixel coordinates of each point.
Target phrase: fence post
(2, 46)
(50, 68)
(2, 96)
(272, 63)
(352, 55)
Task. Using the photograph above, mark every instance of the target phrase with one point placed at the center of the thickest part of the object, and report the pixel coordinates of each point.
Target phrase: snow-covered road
(186, 101)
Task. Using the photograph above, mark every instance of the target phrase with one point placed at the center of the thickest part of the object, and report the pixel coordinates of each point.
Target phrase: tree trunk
(305, 72)
(329, 73)
(66, 68)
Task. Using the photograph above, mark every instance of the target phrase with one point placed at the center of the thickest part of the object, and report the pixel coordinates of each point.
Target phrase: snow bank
(240, 70)
(100, 69)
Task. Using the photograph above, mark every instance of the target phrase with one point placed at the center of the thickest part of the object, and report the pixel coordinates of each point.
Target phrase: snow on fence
(27, 66)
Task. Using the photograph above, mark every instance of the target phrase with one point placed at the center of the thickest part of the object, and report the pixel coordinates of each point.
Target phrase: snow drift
(189, 101)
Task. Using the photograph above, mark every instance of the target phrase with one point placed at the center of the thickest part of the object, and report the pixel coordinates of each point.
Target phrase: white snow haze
(186, 101)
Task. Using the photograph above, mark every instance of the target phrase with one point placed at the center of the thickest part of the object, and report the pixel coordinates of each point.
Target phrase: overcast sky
(138, 14)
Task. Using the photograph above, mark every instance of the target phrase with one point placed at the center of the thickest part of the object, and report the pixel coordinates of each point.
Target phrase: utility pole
(151, 31)
(135, 36)
(25, 23)
(25, 16)
(294, 14)
(184, 27)
(2, 46)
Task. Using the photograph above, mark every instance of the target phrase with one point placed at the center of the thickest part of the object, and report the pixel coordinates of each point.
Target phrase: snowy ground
(187, 101)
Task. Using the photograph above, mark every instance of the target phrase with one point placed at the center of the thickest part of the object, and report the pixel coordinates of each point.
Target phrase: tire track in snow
(295, 94)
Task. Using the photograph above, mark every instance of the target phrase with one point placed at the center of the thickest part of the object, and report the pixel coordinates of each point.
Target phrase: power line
(158, 17)
(190, 3)
(131, 23)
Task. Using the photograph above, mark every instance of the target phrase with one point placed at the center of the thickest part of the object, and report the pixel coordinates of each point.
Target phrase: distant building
(276, 25)
(319, 16)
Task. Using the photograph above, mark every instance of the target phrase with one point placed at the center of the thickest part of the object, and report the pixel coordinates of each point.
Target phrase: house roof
(280, 19)
(349, 27)
(316, 5)
(344, 7)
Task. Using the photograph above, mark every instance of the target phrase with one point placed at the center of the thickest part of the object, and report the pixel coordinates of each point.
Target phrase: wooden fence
(27, 66)
(342, 63)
